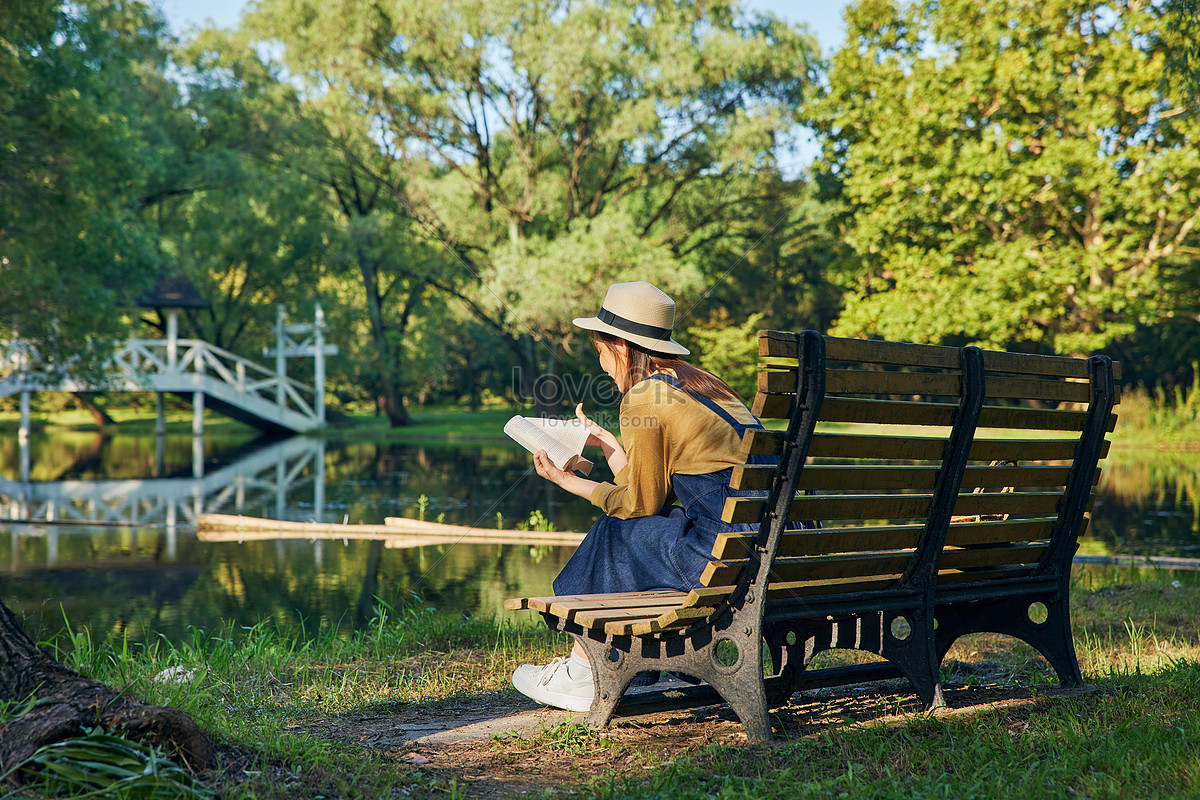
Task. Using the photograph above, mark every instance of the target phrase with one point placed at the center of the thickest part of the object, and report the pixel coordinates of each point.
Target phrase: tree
(84, 113)
(1014, 173)
(546, 150)
(67, 703)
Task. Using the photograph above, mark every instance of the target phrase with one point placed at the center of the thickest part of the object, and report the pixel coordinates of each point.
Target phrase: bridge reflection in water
(261, 479)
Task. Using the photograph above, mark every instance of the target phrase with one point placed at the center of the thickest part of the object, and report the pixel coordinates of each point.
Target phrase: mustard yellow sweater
(665, 431)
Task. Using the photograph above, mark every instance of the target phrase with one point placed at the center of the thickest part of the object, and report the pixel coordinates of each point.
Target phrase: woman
(682, 429)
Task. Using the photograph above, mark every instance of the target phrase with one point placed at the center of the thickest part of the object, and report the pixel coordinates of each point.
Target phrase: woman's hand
(608, 444)
(545, 467)
(597, 436)
(581, 487)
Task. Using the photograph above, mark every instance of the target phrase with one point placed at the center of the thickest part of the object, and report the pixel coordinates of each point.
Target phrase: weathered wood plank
(845, 381)
(926, 384)
(909, 412)
(679, 618)
(892, 506)
(1033, 389)
(889, 537)
(854, 565)
(849, 445)
(1042, 419)
(569, 609)
(712, 595)
(918, 478)
(850, 478)
(543, 603)
(829, 507)
(602, 617)
(764, 442)
(887, 412)
(771, 406)
(784, 344)
(864, 565)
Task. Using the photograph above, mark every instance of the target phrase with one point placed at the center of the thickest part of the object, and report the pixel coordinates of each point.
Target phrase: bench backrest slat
(858, 565)
(732, 546)
(920, 479)
(783, 344)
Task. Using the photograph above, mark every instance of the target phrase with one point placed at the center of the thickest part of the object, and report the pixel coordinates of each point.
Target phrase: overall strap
(739, 427)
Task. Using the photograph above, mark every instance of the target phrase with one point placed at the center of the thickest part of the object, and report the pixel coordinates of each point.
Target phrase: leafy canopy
(1015, 172)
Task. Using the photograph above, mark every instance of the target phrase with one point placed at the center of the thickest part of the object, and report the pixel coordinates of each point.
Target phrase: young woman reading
(682, 429)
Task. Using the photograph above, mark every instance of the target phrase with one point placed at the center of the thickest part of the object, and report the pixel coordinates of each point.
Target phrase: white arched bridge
(203, 374)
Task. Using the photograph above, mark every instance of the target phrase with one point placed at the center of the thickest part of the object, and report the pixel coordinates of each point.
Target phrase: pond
(115, 547)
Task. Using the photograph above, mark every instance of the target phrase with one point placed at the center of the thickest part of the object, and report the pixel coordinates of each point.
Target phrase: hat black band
(629, 326)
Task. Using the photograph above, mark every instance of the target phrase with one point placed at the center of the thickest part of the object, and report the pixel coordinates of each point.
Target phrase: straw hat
(640, 313)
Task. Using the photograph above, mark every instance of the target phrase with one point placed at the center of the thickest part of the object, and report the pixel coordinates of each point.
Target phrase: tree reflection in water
(145, 580)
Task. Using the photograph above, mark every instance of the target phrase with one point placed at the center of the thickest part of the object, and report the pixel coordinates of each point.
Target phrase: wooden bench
(952, 484)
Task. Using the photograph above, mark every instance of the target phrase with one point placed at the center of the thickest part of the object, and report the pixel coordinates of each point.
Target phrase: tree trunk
(67, 703)
(99, 415)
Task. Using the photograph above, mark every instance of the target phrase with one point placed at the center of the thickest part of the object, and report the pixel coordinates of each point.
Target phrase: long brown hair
(694, 380)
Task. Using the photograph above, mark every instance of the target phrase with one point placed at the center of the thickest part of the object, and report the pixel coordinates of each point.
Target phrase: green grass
(1137, 633)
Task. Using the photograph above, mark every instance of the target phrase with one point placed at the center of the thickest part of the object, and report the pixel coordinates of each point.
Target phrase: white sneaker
(552, 686)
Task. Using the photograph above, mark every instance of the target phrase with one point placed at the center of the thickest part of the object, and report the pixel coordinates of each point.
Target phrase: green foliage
(729, 350)
(541, 154)
(85, 113)
(1014, 173)
(97, 764)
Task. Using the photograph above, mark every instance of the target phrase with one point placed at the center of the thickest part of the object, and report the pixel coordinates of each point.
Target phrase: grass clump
(260, 689)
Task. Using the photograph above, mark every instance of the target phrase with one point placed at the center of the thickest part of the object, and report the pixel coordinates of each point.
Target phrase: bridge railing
(139, 358)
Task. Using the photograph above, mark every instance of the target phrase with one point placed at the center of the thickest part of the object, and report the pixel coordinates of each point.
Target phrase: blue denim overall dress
(667, 550)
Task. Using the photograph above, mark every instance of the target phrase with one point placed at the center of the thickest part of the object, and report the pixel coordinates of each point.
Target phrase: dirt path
(500, 744)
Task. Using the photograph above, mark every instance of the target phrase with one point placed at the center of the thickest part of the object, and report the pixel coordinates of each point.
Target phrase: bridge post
(160, 415)
(280, 358)
(172, 338)
(319, 366)
(23, 436)
(198, 396)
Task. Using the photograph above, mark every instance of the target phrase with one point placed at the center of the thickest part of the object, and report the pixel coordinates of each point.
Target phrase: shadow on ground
(500, 744)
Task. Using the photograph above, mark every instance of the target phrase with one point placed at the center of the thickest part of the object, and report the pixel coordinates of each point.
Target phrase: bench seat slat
(601, 617)
(543, 603)
(572, 609)
(672, 620)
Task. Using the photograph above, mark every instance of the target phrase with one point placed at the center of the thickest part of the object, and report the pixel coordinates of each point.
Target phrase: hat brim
(665, 346)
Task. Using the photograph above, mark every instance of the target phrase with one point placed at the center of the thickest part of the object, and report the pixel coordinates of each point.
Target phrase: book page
(562, 439)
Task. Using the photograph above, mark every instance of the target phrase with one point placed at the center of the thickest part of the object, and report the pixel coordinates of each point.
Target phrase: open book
(562, 439)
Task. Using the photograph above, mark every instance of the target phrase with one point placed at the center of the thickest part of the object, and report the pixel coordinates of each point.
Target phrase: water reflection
(144, 573)
(1148, 504)
(108, 534)
(274, 470)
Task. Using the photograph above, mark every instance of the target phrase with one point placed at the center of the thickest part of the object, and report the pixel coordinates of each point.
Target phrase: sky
(823, 18)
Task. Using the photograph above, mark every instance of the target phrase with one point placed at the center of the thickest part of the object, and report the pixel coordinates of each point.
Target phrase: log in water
(397, 532)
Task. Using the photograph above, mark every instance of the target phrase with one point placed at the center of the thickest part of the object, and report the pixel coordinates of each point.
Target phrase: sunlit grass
(1137, 634)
